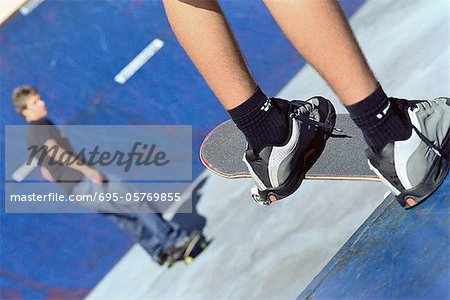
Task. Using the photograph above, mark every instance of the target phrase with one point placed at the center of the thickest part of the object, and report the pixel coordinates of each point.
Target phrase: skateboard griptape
(343, 157)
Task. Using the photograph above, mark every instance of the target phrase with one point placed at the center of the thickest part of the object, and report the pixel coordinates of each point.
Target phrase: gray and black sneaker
(414, 168)
(279, 170)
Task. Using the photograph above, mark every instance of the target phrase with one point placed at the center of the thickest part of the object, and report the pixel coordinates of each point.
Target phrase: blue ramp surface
(395, 254)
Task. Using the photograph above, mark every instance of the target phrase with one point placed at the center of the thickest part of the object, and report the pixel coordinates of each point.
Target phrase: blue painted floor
(379, 261)
(71, 51)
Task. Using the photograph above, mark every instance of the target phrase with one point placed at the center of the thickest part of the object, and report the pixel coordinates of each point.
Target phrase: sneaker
(279, 170)
(414, 168)
(160, 259)
(182, 248)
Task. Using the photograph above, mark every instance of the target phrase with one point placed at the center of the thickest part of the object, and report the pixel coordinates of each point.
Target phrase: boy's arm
(46, 174)
(57, 153)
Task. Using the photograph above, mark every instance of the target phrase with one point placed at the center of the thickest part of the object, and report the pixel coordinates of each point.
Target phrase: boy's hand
(93, 175)
(47, 175)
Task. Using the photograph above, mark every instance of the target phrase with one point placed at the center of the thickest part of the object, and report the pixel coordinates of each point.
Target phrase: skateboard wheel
(188, 260)
(257, 197)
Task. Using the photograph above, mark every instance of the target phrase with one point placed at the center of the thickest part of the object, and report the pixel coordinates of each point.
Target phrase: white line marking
(30, 6)
(139, 61)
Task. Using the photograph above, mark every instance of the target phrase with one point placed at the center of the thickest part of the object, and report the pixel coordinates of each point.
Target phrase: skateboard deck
(342, 159)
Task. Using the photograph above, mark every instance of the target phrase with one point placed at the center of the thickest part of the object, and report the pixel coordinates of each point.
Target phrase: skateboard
(342, 159)
(192, 250)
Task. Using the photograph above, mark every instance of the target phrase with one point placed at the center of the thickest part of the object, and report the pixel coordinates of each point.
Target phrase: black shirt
(37, 136)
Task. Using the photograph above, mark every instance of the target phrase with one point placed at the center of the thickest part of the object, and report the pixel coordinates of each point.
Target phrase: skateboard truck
(261, 200)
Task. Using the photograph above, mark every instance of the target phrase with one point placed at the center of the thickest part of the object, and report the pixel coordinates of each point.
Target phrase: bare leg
(204, 33)
(320, 32)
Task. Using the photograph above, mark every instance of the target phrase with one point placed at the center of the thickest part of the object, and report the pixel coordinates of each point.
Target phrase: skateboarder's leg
(206, 36)
(320, 32)
(149, 239)
(152, 232)
(203, 31)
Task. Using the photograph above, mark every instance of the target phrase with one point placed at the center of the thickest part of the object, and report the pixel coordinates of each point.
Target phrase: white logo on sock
(266, 105)
(383, 113)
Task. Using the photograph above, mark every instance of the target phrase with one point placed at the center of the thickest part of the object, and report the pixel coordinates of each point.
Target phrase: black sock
(376, 117)
(262, 123)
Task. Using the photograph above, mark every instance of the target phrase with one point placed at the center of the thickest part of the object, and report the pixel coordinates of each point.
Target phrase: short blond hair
(20, 96)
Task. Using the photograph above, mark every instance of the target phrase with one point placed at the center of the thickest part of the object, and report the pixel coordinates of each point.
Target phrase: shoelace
(307, 108)
(413, 104)
(427, 141)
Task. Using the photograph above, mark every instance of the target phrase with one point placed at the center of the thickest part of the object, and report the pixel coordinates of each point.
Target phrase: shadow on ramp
(192, 221)
(395, 254)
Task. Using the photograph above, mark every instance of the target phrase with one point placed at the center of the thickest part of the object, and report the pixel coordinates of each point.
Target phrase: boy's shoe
(414, 168)
(183, 248)
(160, 259)
(279, 170)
